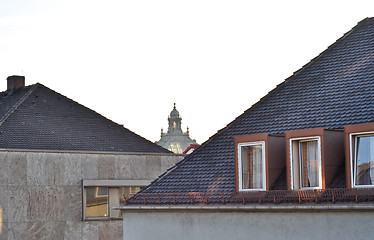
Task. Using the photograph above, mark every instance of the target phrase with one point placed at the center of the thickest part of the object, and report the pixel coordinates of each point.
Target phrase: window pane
(96, 201)
(309, 163)
(252, 167)
(365, 160)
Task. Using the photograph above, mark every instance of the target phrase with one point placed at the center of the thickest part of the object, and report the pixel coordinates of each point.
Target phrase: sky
(131, 61)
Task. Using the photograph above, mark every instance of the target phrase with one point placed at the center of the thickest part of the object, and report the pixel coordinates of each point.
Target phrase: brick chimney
(15, 82)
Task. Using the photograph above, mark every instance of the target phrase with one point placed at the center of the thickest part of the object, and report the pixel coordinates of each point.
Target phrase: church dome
(175, 139)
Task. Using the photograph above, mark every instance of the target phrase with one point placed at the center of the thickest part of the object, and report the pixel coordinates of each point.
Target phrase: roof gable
(36, 117)
(333, 90)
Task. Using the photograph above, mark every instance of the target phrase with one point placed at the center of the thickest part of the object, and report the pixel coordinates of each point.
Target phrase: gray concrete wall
(41, 194)
(310, 225)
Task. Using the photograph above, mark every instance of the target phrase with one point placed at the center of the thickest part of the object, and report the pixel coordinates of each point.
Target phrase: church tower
(175, 139)
(175, 121)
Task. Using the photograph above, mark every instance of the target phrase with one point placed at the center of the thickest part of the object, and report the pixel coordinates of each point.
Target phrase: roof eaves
(255, 207)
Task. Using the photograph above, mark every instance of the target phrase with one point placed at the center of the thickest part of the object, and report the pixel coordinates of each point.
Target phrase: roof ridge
(18, 103)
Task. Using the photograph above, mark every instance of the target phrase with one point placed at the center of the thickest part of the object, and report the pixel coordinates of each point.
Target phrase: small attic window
(259, 161)
(362, 155)
(314, 157)
(251, 162)
(306, 167)
(359, 140)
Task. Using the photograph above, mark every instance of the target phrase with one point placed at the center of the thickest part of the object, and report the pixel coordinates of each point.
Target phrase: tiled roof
(36, 117)
(333, 90)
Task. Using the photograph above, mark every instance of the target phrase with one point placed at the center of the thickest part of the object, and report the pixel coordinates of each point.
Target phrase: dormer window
(252, 166)
(260, 159)
(306, 163)
(363, 159)
(314, 156)
(359, 155)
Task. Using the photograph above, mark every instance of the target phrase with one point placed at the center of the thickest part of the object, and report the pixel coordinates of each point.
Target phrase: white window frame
(352, 151)
(240, 145)
(301, 139)
(112, 185)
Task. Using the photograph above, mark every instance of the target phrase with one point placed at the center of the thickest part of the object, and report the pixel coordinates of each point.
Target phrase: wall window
(100, 196)
(251, 159)
(306, 163)
(362, 157)
(97, 201)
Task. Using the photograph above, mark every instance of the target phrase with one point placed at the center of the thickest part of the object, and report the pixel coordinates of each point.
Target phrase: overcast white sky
(131, 60)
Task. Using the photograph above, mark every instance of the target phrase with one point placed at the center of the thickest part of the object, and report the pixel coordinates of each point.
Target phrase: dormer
(313, 157)
(259, 160)
(359, 144)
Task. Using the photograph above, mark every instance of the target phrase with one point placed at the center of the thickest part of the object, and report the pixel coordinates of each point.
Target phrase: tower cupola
(175, 139)
(175, 121)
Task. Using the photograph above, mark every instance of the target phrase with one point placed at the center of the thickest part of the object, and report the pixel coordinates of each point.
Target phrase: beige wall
(41, 194)
(242, 225)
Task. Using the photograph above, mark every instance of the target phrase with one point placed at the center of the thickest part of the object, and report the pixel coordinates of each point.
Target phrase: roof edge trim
(88, 152)
(256, 208)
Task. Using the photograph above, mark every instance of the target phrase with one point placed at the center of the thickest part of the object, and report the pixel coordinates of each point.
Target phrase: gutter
(252, 208)
(88, 152)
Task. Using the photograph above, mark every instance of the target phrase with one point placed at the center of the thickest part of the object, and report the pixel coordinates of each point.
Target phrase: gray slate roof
(36, 117)
(333, 90)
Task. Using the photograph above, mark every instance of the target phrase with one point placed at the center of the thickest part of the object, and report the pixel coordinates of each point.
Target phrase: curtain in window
(257, 167)
(365, 160)
(252, 167)
(310, 164)
(245, 167)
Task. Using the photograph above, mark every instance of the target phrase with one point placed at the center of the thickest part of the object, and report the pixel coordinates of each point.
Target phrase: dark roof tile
(36, 117)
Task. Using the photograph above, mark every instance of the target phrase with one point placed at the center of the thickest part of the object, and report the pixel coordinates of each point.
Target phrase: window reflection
(364, 160)
(96, 201)
(128, 191)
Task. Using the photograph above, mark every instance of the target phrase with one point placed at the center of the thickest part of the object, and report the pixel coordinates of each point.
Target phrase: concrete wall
(41, 194)
(192, 224)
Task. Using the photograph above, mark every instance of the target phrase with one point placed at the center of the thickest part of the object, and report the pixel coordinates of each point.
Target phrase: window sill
(363, 186)
(102, 219)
